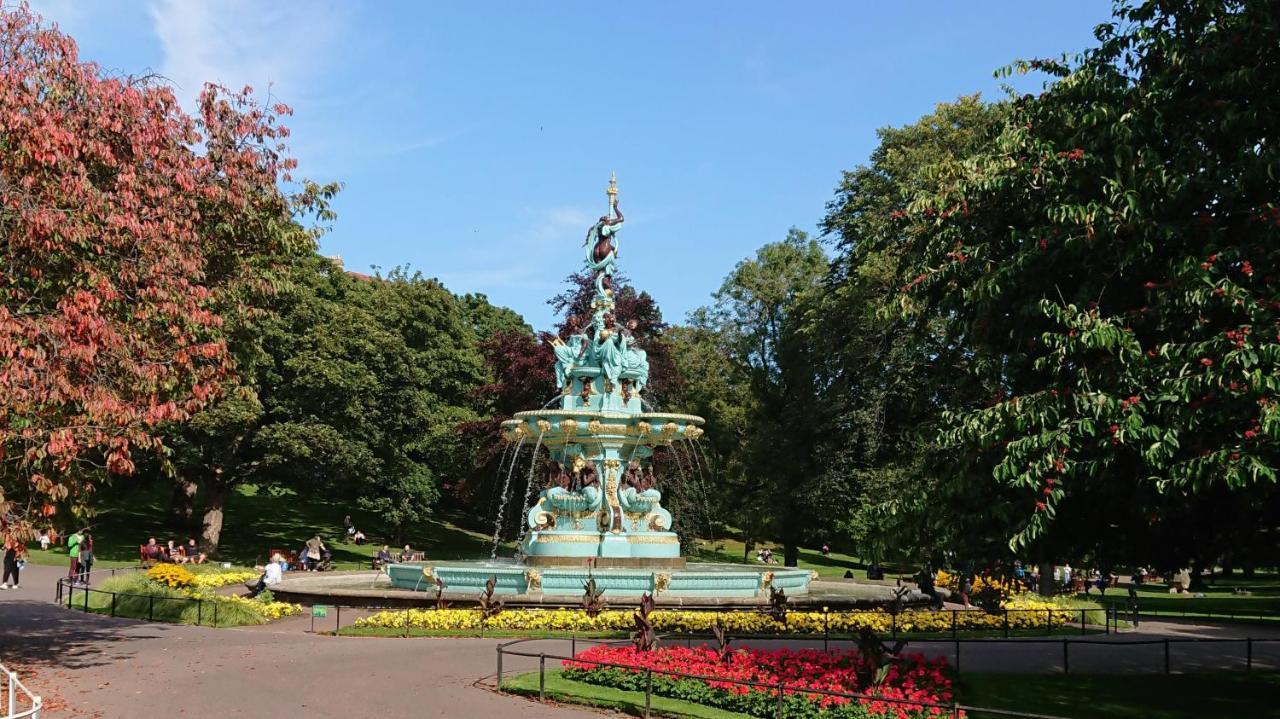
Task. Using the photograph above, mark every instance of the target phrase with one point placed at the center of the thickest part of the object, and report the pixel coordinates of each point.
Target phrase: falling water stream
(502, 505)
(528, 494)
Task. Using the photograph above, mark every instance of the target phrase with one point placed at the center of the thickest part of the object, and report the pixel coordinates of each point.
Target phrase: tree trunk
(1046, 587)
(747, 546)
(215, 501)
(182, 504)
(790, 554)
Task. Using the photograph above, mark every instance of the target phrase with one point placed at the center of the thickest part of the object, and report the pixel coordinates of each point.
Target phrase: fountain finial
(612, 190)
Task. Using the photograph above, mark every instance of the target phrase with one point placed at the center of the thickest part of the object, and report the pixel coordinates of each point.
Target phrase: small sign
(319, 610)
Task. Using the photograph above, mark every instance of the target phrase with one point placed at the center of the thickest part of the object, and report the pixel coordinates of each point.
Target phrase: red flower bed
(914, 679)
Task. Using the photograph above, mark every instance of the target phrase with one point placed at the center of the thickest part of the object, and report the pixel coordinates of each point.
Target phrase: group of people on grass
(173, 552)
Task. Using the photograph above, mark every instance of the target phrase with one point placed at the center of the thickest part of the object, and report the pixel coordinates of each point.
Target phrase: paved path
(96, 666)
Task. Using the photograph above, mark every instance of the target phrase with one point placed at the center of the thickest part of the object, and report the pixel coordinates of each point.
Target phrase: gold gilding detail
(652, 539)
(661, 581)
(569, 538)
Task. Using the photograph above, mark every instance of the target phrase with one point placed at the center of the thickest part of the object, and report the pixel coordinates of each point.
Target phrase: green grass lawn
(1263, 601)
(832, 566)
(256, 521)
(558, 688)
(1142, 696)
(1146, 696)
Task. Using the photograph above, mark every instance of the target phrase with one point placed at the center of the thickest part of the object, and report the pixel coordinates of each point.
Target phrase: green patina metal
(600, 507)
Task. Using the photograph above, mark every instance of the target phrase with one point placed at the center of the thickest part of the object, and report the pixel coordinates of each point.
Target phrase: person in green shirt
(73, 551)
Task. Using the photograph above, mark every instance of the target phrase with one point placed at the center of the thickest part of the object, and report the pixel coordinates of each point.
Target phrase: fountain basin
(694, 580)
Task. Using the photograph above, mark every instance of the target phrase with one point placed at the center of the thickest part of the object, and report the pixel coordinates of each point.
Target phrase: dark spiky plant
(490, 606)
(877, 657)
(722, 642)
(644, 638)
(592, 597)
(777, 605)
(441, 602)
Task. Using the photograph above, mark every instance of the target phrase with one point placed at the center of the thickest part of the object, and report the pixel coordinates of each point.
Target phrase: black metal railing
(779, 689)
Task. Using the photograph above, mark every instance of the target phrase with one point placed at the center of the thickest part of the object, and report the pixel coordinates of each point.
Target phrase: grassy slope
(258, 521)
(1144, 696)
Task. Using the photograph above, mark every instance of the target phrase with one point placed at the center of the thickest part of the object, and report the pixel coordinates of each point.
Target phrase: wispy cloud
(285, 45)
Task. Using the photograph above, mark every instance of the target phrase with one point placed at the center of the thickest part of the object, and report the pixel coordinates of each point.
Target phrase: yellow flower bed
(171, 575)
(269, 610)
(210, 580)
(572, 620)
(1006, 587)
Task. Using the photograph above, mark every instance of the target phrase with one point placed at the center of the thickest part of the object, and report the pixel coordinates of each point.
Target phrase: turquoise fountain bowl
(695, 580)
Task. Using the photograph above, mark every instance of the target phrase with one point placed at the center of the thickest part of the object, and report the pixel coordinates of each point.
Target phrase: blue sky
(475, 142)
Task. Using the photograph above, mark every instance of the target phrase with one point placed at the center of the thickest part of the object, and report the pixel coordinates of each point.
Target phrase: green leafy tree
(1111, 260)
(761, 316)
(893, 374)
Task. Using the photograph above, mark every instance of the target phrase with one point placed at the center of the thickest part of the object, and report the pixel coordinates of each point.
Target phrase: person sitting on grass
(358, 537)
(193, 553)
(173, 553)
(272, 574)
(382, 558)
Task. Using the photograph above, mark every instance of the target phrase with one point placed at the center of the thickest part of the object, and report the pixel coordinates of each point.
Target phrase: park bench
(147, 560)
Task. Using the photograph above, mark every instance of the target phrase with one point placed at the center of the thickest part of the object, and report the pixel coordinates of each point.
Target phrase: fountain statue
(599, 503)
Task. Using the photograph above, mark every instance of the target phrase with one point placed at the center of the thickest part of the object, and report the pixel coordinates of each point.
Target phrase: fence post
(953, 624)
(1248, 654)
(542, 677)
(1006, 624)
(113, 604)
(826, 629)
(957, 656)
(573, 645)
(1066, 656)
(648, 691)
(215, 614)
(13, 696)
(1082, 622)
(151, 607)
(406, 623)
(779, 700)
(1048, 628)
(499, 667)
(1166, 655)
(895, 626)
(86, 599)
(337, 622)
(199, 611)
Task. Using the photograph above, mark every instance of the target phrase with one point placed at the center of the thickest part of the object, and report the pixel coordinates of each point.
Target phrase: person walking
(86, 558)
(966, 588)
(73, 554)
(14, 554)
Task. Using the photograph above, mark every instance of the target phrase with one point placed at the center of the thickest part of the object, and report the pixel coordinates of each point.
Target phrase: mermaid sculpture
(601, 242)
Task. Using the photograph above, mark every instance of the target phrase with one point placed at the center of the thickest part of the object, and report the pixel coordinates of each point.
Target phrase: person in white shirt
(273, 574)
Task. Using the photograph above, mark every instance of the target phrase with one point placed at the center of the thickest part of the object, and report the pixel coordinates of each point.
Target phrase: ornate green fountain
(600, 510)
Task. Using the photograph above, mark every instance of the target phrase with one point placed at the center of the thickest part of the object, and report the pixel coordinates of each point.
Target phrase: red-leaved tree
(129, 231)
